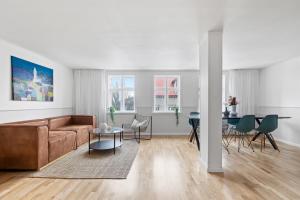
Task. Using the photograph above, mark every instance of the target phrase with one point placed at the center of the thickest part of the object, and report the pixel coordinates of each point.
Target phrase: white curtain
(243, 84)
(90, 93)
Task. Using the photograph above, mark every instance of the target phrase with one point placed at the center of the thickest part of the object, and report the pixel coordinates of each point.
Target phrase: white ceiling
(152, 34)
(260, 32)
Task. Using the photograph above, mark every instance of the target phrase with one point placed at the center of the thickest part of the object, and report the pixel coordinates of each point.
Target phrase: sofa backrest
(59, 122)
(84, 120)
(36, 122)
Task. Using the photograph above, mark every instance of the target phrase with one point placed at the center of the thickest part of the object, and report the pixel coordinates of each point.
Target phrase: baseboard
(211, 169)
(288, 142)
(215, 170)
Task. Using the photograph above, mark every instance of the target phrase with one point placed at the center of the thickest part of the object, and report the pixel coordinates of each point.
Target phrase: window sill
(165, 112)
(123, 113)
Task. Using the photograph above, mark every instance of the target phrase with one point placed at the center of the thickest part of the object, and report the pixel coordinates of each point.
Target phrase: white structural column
(211, 101)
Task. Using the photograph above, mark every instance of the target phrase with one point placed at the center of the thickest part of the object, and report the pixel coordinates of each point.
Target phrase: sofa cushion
(58, 122)
(60, 133)
(70, 143)
(60, 143)
(74, 127)
(82, 136)
(82, 132)
(56, 146)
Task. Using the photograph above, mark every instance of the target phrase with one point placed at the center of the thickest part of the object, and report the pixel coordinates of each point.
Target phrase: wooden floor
(169, 168)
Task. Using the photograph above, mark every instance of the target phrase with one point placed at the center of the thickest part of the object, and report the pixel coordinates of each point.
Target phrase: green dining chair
(242, 128)
(268, 125)
(233, 122)
(197, 123)
(228, 132)
(225, 135)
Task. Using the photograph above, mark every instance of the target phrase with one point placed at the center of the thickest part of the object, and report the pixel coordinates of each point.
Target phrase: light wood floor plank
(169, 168)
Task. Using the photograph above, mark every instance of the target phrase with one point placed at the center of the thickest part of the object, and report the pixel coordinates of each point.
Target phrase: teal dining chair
(196, 123)
(268, 125)
(245, 125)
(228, 132)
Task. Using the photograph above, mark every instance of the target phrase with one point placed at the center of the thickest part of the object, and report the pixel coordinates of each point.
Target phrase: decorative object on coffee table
(105, 144)
(103, 126)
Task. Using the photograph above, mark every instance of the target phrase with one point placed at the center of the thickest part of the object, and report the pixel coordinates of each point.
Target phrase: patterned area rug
(79, 164)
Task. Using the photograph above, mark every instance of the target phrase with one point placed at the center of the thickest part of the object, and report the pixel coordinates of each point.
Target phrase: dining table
(195, 121)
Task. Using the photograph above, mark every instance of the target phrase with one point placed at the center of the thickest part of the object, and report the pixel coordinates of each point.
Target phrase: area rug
(79, 164)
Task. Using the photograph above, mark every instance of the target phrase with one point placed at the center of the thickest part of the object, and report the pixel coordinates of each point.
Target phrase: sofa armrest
(23, 146)
(84, 120)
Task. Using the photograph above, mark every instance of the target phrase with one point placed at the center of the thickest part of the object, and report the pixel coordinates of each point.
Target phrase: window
(121, 93)
(166, 93)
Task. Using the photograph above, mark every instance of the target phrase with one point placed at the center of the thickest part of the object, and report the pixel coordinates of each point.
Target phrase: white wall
(163, 123)
(21, 110)
(280, 94)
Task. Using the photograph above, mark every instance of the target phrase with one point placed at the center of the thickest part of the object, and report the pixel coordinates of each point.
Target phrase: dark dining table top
(258, 116)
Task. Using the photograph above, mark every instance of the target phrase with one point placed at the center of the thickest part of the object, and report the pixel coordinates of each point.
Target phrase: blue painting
(30, 81)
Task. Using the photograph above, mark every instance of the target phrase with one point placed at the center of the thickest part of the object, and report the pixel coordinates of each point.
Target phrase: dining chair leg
(224, 141)
(231, 136)
(243, 139)
(190, 135)
(249, 142)
(226, 148)
(235, 135)
(274, 141)
(239, 142)
(191, 138)
(253, 139)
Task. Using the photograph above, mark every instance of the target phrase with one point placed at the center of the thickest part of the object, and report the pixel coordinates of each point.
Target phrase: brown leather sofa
(76, 123)
(32, 144)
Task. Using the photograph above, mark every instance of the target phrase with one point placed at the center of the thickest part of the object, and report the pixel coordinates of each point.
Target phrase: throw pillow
(134, 124)
(142, 124)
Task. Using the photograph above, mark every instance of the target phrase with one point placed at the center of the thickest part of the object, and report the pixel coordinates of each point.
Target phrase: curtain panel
(243, 84)
(90, 93)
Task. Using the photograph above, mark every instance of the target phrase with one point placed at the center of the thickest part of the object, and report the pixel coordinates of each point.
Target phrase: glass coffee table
(105, 144)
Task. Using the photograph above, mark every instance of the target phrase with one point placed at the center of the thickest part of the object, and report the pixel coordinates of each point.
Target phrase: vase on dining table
(233, 110)
(226, 113)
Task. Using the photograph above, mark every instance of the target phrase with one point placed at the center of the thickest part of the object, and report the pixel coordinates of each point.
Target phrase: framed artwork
(30, 81)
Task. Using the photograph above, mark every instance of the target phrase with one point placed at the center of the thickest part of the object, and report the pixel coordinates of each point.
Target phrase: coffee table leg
(114, 143)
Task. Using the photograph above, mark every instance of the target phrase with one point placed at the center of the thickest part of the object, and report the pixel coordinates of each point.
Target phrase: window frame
(121, 89)
(166, 93)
